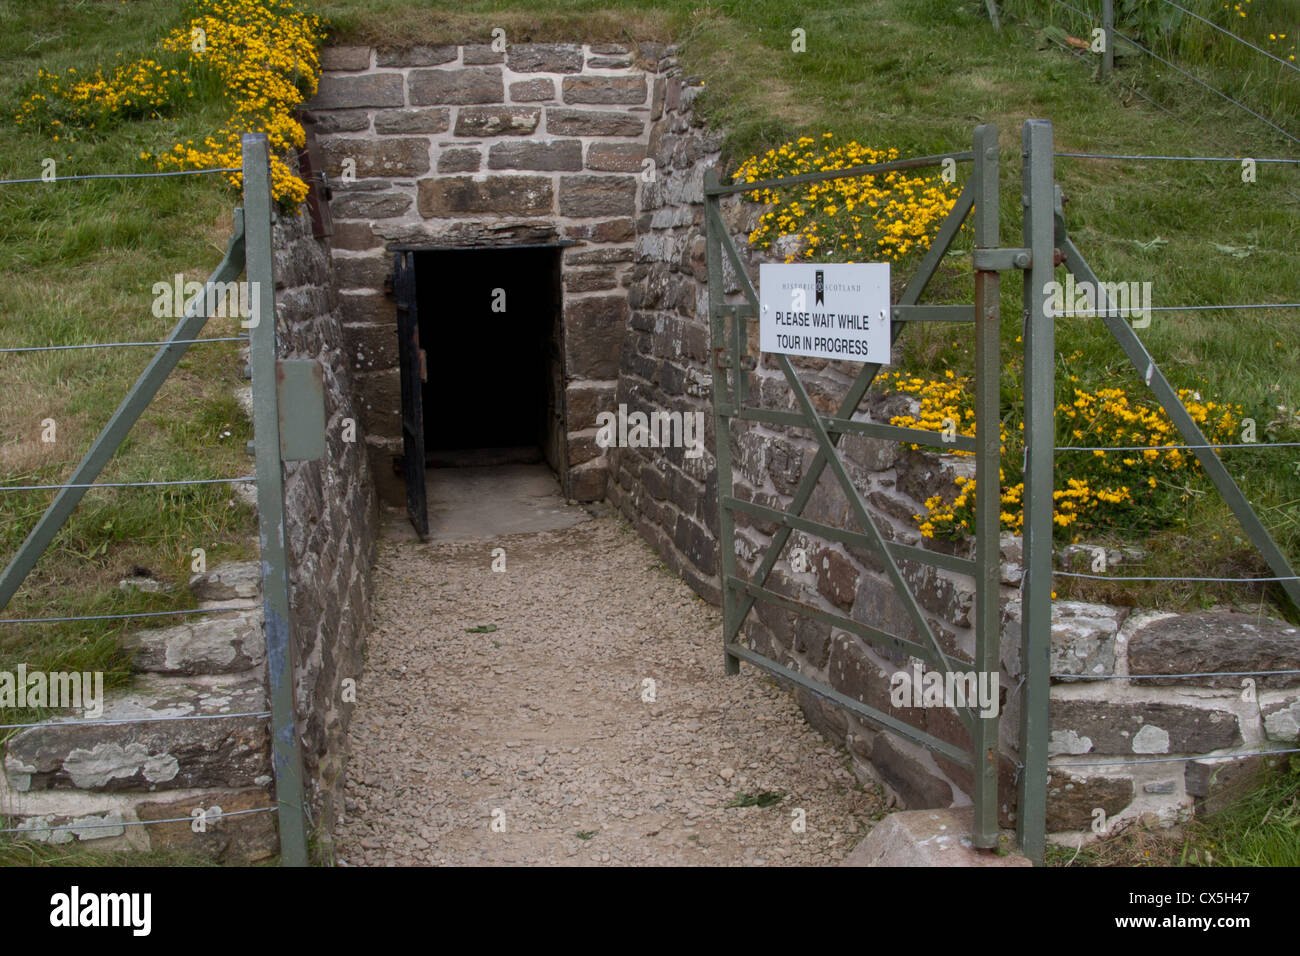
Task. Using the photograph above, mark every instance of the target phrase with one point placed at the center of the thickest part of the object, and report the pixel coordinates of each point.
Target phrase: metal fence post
(285, 753)
(988, 491)
(1108, 31)
(1040, 448)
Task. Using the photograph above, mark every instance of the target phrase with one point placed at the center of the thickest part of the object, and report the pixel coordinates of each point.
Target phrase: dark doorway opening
(482, 331)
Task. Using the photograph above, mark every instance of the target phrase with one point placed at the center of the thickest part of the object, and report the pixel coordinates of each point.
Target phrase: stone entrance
(467, 148)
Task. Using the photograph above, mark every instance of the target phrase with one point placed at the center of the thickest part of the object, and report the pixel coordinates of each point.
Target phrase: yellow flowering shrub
(263, 54)
(1094, 488)
(866, 218)
(63, 104)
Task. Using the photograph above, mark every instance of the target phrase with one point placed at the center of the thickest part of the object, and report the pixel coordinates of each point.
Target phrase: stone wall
(331, 515)
(464, 146)
(672, 501)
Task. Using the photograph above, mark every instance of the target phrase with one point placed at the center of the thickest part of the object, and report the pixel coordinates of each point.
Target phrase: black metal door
(412, 361)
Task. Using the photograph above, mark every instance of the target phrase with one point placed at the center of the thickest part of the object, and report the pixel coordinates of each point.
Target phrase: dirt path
(531, 744)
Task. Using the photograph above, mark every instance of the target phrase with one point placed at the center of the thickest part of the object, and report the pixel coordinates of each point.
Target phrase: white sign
(833, 311)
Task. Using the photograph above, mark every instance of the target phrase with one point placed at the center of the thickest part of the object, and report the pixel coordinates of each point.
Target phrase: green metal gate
(729, 329)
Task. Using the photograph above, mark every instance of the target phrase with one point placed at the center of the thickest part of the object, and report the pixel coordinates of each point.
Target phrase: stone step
(105, 757)
(133, 821)
(219, 644)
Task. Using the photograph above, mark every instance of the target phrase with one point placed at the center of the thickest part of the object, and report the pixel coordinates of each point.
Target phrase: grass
(1260, 828)
(79, 261)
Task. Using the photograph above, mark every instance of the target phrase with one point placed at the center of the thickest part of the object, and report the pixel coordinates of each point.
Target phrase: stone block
(548, 156)
(540, 90)
(215, 644)
(930, 838)
(1072, 797)
(506, 195)
(481, 53)
(345, 58)
(156, 755)
(605, 90)
(482, 121)
(455, 87)
(465, 160)
(591, 196)
(594, 336)
(1127, 727)
(544, 58)
(245, 837)
(571, 122)
(367, 204)
(385, 157)
(419, 55)
(352, 92)
(1212, 641)
(428, 120)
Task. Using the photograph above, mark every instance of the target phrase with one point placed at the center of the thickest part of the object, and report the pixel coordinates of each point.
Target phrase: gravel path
(532, 744)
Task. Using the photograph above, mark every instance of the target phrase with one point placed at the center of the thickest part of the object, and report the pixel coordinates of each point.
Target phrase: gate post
(722, 412)
(988, 490)
(1040, 449)
(285, 755)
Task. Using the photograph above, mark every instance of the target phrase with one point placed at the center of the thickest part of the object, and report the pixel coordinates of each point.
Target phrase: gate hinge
(1001, 260)
(721, 359)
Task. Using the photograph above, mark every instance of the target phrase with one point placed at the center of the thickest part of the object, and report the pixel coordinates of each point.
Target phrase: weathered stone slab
(369, 204)
(1282, 720)
(455, 87)
(1215, 641)
(587, 196)
(416, 56)
(1126, 727)
(497, 121)
(507, 195)
(465, 160)
(571, 122)
(228, 582)
(544, 58)
(480, 53)
(350, 92)
(1217, 784)
(929, 838)
(385, 157)
(605, 90)
(155, 755)
(338, 121)
(246, 837)
(539, 90)
(565, 154)
(1071, 798)
(345, 58)
(428, 120)
(1083, 637)
(594, 335)
(215, 644)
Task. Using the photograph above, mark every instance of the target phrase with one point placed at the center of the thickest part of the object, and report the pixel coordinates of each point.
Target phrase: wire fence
(1255, 745)
(21, 564)
(1106, 23)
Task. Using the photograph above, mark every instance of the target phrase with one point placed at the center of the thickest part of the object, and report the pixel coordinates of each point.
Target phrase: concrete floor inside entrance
(489, 500)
